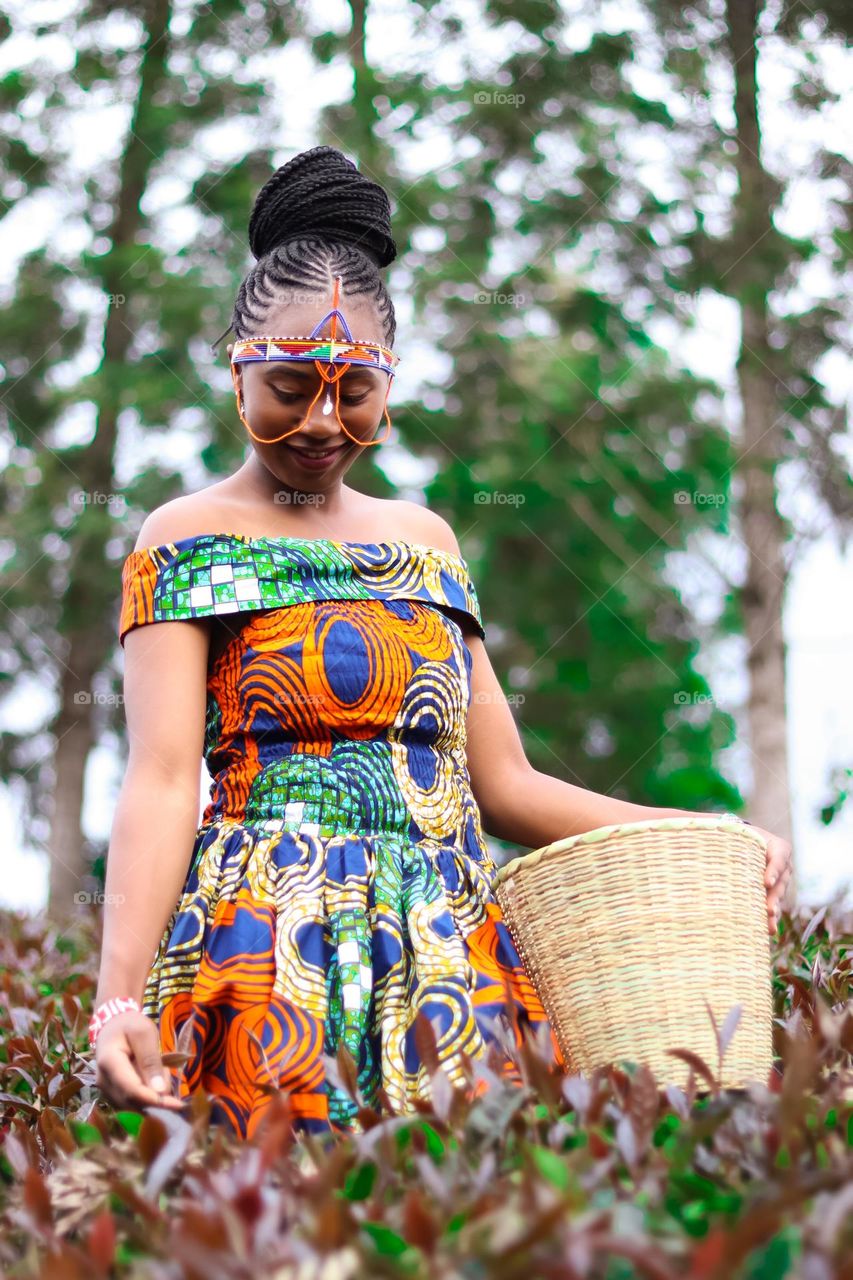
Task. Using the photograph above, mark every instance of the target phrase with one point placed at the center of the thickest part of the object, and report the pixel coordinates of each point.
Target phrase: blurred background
(623, 299)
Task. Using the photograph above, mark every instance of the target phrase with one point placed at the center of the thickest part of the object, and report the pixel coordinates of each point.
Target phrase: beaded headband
(323, 352)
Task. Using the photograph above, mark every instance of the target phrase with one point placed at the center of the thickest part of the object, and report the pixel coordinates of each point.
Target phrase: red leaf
(102, 1240)
(626, 1140)
(441, 1094)
(17, 1155)
(577, 1092)
(643, 1105)
(419, 1228)
(677, 1100)
(170, 1154)
(698, 1064)
(19, 1103)
(597, 1146)
(347, 1072)
(812, 925)
(37, 1197)
(728, 1028)
(152, 1137)
(426, 1042)
(708, 1255)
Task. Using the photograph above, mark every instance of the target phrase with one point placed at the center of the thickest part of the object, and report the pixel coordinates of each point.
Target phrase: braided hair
(317, 217)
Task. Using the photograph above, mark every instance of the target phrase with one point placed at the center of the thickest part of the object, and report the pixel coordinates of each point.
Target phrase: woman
(330, 666)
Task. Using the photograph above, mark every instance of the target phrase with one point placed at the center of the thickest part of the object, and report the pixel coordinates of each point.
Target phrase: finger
(121, 1084)
(774, 894)
(145, 1046)
(124, 1086)
(773, 901)
(775, 863)
(777, 893)
(773, 898)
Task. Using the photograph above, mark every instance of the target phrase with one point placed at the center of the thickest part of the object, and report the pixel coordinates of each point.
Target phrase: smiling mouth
(325, 452)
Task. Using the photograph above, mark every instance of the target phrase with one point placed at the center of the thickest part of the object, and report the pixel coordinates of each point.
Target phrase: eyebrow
(300, 370)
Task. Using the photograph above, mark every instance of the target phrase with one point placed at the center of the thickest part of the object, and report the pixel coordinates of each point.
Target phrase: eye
(291, 397)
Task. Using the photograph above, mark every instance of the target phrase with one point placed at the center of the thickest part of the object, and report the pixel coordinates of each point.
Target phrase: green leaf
(551, 1167)
(359, 1182)
(85, 1134)
(386, 1241)
(434, 1142)
(130, 1121)
(773, 1260)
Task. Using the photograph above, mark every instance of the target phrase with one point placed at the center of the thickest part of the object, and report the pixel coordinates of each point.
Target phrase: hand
(777, 873)
(127, 1057)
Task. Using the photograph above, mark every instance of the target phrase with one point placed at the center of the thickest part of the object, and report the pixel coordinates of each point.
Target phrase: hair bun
(321, 193)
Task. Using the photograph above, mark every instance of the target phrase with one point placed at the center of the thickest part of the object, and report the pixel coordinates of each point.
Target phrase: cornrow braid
(317, 217)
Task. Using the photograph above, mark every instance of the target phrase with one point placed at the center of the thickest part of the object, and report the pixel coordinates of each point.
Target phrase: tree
(549, 174)
(554, 397)
(149, 313)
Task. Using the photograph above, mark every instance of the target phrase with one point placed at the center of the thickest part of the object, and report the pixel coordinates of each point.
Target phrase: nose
(320, 430)
(321, 424)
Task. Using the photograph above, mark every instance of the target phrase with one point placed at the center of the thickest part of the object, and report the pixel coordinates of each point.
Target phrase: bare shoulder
(182, 517)
(420, 524)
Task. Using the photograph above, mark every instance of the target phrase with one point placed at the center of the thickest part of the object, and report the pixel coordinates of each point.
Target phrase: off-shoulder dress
(339, 882)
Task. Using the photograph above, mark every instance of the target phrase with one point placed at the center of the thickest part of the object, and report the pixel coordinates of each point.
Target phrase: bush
(604, 1176)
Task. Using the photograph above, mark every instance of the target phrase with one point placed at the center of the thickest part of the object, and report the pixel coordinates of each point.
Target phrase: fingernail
(158, 1083)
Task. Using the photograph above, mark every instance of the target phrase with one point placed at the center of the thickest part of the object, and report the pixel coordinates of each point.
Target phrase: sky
(818, 618)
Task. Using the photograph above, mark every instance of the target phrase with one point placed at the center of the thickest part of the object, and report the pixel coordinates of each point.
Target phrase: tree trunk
(74, 732)
(761, 444)
(92, 588)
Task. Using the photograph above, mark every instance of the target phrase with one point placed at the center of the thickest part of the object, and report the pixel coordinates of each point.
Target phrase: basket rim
(705, 821)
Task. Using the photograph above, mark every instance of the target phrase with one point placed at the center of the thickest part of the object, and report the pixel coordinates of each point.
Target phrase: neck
(263, 486)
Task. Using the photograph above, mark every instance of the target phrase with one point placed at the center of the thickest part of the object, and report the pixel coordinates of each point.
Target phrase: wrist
(106, 1010)
(115, 983)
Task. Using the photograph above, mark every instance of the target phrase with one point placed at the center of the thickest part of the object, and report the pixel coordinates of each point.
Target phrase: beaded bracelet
(107, 1010)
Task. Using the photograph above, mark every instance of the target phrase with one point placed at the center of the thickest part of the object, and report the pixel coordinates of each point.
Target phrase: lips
(319, 452)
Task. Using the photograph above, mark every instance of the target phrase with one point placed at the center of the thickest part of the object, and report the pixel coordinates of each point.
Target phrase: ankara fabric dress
(338, 881)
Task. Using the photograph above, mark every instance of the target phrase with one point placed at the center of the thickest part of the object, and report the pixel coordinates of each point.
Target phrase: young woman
(324, 651)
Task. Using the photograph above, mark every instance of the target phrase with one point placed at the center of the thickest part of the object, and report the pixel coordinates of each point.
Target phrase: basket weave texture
(627, 930)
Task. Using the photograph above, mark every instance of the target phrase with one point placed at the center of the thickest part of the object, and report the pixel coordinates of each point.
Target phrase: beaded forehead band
(326, 353)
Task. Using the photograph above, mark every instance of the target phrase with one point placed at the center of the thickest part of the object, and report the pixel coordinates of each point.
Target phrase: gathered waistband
(296, 826)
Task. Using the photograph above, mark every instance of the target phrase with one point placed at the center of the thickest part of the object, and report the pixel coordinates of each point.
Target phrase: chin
(290, 473)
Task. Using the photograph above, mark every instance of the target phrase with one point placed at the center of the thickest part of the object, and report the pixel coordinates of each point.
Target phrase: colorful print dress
(339, 882)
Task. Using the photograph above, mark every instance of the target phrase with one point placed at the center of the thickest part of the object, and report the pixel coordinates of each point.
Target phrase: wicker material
(626, 930)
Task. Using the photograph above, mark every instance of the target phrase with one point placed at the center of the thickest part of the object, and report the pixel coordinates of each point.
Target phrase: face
(277, 393)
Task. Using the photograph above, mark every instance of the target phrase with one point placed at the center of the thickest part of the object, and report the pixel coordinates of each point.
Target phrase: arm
(533, 809)
(150, 845)
(516, 801)
(165, 689)
(151, 840)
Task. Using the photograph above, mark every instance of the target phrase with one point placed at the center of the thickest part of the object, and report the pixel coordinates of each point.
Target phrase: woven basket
(625, 931)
